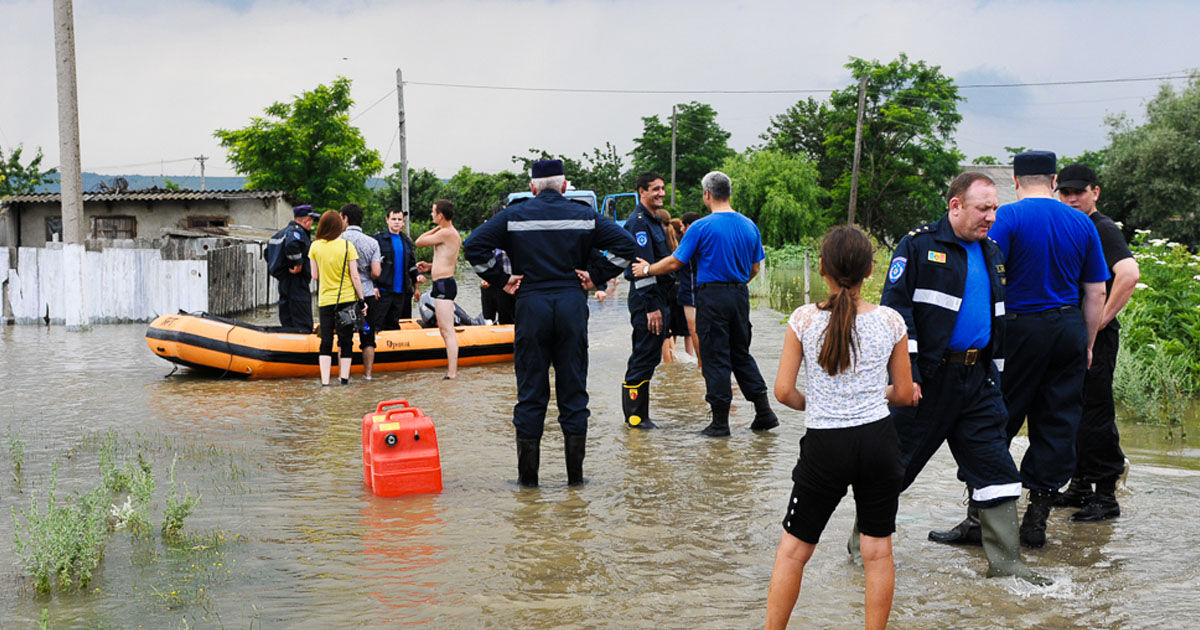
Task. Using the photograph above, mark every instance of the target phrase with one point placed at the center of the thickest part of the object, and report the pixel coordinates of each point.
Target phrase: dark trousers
(647, 346)
(497, 305)
(962, 405)
(389, 309)
(1098, 446)
(723, 325)
(295, 302)
(551, 330)
(345, 334)
(1043, 381)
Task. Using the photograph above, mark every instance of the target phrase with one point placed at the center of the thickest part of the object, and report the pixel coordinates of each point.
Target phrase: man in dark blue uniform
(1052, 256)
(727, 248)
(1099, 459)
(648, 302)
(550, 242)
(287, 260)
(946, 279)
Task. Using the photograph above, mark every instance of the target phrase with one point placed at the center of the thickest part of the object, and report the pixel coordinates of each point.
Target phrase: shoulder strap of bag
(342, 280)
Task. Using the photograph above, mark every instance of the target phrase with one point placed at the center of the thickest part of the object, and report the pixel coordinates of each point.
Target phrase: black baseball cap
(1076, 177)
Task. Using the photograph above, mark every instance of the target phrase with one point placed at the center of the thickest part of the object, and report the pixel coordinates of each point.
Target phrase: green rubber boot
(1001, 544)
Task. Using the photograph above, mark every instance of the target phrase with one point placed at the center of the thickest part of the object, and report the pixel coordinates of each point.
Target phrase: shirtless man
(445, 242)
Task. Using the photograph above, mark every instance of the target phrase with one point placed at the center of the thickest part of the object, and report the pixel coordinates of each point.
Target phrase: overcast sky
(156, 78)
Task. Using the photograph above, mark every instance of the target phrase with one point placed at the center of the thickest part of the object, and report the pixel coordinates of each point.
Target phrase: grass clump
(62, 544)
(177, 509)
(16, 455)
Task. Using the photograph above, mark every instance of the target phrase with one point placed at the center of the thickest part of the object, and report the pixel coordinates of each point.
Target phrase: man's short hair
(689, 218)
(963, 182)
(645, 179)
(353, 213)
(394, 210)
(1035, 181)
(553, 182)
(445, 208)
(718, 185)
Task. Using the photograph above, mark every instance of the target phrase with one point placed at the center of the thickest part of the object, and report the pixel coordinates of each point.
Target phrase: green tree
(1148, 179)
(477, 195)
(908, 151)
(18, 179)
(701, 145)
(424, 188)
(599, 171)
(986, 160)
(1013, 151)
(307, 148)
(780, 193)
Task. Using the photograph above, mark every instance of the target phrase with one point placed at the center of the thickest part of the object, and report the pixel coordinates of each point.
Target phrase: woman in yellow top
(332, 262)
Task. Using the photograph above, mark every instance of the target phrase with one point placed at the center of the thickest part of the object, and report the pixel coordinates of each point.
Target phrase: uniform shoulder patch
(642, 238)
(897, 268)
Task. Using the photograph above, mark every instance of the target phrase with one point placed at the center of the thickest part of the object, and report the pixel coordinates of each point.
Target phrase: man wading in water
(445, 242)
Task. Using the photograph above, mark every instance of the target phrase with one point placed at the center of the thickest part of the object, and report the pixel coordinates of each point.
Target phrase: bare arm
(1125, 276)
(356, 281)
(1093, 310)
(900, 392)
(430, 238)
(668, 264)
(312, 266)
(789, 369)
(753, 271)
(376, 269)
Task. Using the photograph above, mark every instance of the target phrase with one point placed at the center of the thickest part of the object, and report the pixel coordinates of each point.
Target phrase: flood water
(673, 530)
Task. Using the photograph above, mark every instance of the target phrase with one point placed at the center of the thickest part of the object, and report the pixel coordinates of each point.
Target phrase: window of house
(205, 221)
(114, 227)
(54, 229)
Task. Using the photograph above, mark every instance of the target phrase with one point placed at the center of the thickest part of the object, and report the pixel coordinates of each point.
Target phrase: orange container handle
(403, 411)
(388, 403)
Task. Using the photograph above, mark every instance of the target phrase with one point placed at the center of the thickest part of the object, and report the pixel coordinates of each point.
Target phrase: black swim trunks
(444, 289)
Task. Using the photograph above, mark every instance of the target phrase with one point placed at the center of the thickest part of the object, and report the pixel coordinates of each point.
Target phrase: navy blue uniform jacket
(648, 294)
(547, 238)
(925, 284)
(387, 269)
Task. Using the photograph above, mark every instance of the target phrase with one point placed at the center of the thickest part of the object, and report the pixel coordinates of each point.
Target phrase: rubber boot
(719, 427)
(1101, 506)
(529, 457)
(854, 546)
(1033, 526)
(1000, 544)
(575, 446)
(965, 533)
(1076, 495)
(764, 418)
(635, 403)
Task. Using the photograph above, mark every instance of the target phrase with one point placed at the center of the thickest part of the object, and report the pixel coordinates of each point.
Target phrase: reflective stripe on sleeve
(912, 346)
(937, 298)
(551, 225)
(616, 260)
(998, 491)
(999, 364)
(484, 267)
(999, 309)
(644, 282)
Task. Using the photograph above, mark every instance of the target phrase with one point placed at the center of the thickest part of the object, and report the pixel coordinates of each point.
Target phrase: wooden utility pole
(71, 179)
(201, 159)
(672, 156)
(862, 100)
(403, 153)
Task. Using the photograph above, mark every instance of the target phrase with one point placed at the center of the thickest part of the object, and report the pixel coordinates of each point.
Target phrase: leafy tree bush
(701, 145)
(780, 193)
(18, 179)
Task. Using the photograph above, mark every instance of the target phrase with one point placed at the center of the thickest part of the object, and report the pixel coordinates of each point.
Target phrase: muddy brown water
(673, 530)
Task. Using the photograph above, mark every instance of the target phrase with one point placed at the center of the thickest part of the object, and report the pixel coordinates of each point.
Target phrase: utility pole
(71, 180)
(403, 153)
(862, 100)
(201, 159)
(672, 156)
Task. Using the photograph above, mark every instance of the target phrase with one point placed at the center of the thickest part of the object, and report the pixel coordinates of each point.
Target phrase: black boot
(575, 447)
(764, 418)
(635, 403)
(1077, 494)
(529, 457)
(965, 533)
(1033, 526)
(1101, 506)
(719, 427)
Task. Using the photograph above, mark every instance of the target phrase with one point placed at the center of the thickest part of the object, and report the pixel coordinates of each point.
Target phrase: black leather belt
(965, 357)
(720, 284)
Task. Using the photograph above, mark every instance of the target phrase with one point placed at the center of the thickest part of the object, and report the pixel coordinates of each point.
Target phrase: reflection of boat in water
(226, 346)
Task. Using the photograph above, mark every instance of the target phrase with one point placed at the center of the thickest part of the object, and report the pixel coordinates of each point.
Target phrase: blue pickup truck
(617, 207)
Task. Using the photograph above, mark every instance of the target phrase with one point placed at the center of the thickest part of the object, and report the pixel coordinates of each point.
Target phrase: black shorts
(366, 338)
(865, 457)
(444, 289)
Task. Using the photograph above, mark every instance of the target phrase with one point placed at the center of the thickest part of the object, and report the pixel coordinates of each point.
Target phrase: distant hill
(91, 182)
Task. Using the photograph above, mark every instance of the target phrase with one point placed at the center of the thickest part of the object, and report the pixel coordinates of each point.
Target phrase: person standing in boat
(286, 252)
(397, 286)
(369, 267)
(331, 260)
(445, 241)
(550, 242)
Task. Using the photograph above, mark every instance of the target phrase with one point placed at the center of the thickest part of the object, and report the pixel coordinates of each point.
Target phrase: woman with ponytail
(850, 440)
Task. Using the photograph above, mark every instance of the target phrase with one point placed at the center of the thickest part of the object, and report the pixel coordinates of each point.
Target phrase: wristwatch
(646, 270)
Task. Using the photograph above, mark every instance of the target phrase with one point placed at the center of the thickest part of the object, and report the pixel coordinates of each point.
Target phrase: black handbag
(347, 315)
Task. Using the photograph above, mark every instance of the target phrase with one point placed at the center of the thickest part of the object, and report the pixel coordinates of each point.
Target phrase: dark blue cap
(546, 168)
(1035, 163)
(304, 211)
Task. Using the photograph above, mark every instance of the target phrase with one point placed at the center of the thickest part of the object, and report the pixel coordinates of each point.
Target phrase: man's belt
(719, 284)
(964, 357)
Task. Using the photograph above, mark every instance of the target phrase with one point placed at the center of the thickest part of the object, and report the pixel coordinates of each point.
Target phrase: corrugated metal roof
(150, 195)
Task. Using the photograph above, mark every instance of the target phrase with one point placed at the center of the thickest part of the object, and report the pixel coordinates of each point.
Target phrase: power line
(106, 168)
(372, 105)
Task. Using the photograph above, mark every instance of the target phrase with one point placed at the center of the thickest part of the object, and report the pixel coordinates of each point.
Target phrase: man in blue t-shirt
(727, 249)
(1052, 256)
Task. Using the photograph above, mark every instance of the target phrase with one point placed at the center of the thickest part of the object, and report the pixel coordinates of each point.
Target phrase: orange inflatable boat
(228, 347)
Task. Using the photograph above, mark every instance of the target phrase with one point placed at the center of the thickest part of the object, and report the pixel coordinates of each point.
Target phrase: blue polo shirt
(973, 326)
(725, 246)
(1050, 250)
(398, 269)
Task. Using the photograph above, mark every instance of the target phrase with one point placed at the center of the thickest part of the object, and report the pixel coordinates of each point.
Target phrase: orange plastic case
(401, 455)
